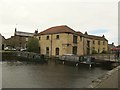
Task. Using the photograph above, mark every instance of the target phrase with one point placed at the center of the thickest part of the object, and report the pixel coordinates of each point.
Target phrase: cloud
(99, 31)
(96, 18)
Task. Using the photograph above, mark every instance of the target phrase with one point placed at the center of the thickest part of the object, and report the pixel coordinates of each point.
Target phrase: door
(88, 51)
(57, 51)
(75, 50)
(2, 46)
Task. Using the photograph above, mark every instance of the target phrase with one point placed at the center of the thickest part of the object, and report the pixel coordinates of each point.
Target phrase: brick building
(19, 40)
(2, 42)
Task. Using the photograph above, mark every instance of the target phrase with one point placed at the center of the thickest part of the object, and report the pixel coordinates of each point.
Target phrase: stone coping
(95, 83)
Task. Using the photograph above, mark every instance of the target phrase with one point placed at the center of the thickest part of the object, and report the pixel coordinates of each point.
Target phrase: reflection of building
(2, 42)
(19, 40)
(61, 40)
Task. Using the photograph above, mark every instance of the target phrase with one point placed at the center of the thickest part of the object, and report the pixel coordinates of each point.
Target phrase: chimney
(112, 43)
(15, 31)
(86, 33)
(103, 36)
(36, 31)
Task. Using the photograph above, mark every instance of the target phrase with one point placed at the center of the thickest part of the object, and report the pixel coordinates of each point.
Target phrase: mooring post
(76, 64)
(63, 62)
(90, 65)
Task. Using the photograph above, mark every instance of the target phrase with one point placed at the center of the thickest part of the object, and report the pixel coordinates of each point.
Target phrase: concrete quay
(110, 80)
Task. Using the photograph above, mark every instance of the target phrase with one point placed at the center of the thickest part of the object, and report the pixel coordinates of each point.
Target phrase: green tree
(33, 45)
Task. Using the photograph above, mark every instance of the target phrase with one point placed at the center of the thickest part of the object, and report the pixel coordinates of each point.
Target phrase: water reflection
(51, 75)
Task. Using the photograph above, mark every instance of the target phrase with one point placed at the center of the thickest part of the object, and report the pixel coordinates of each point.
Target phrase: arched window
(57, 51)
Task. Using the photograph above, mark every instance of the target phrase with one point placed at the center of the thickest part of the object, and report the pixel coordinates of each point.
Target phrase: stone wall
(109, 80)
(22, 56)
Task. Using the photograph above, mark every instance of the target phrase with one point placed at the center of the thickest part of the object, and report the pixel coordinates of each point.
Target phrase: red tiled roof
(79, 33)
(66, 29)
(95, 37)
(58, 29)
(115, 49)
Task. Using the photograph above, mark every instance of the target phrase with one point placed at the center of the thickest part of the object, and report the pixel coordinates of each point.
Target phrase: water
(51, 75)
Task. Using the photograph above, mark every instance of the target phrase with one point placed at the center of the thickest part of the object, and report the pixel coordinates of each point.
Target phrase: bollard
(90, 65)
(63, 62)
(76, 64)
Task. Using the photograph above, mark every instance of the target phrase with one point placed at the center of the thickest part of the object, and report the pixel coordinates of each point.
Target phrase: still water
(51, 75)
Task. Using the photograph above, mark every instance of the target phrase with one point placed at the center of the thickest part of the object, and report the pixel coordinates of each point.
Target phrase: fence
(72, 58)
(23, 56)
(105, 57)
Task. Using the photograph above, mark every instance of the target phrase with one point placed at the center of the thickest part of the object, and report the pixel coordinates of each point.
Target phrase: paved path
(110, 80)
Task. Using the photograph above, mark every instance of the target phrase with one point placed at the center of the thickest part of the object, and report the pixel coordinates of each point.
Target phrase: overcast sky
(97, 17)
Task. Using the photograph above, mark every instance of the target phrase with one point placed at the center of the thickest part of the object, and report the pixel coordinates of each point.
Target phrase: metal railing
(105, 57)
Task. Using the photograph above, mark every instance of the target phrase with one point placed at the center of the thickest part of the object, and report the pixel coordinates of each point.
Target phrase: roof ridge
(58, 29)
(95, 36)
(23, 32)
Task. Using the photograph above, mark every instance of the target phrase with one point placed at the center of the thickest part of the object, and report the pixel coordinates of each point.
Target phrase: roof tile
(66, 29)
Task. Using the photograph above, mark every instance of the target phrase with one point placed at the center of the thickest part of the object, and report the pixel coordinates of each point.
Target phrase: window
(93, 42)
(103, 49)
(47, 38)
(88, 50)
(26, 39)
(103, 42)
(80, 38)
(47, 50)
(98, 42)
(88, 43)
(39, 38)
(74, 39)
(57, 51)
(98, 50)
(57, 36)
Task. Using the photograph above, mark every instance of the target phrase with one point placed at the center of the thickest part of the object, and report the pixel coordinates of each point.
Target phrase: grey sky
(96, 17)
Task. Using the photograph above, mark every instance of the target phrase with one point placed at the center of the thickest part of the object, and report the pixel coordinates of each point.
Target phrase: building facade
(19, 40)
(62, 40)
(95, 44)
(2, 42)
(110, 47)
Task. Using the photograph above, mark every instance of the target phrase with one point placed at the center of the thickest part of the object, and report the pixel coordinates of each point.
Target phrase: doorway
(57, 51)
(75, 50)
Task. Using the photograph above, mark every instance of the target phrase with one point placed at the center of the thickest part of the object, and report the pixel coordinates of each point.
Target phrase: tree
(33, 45)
